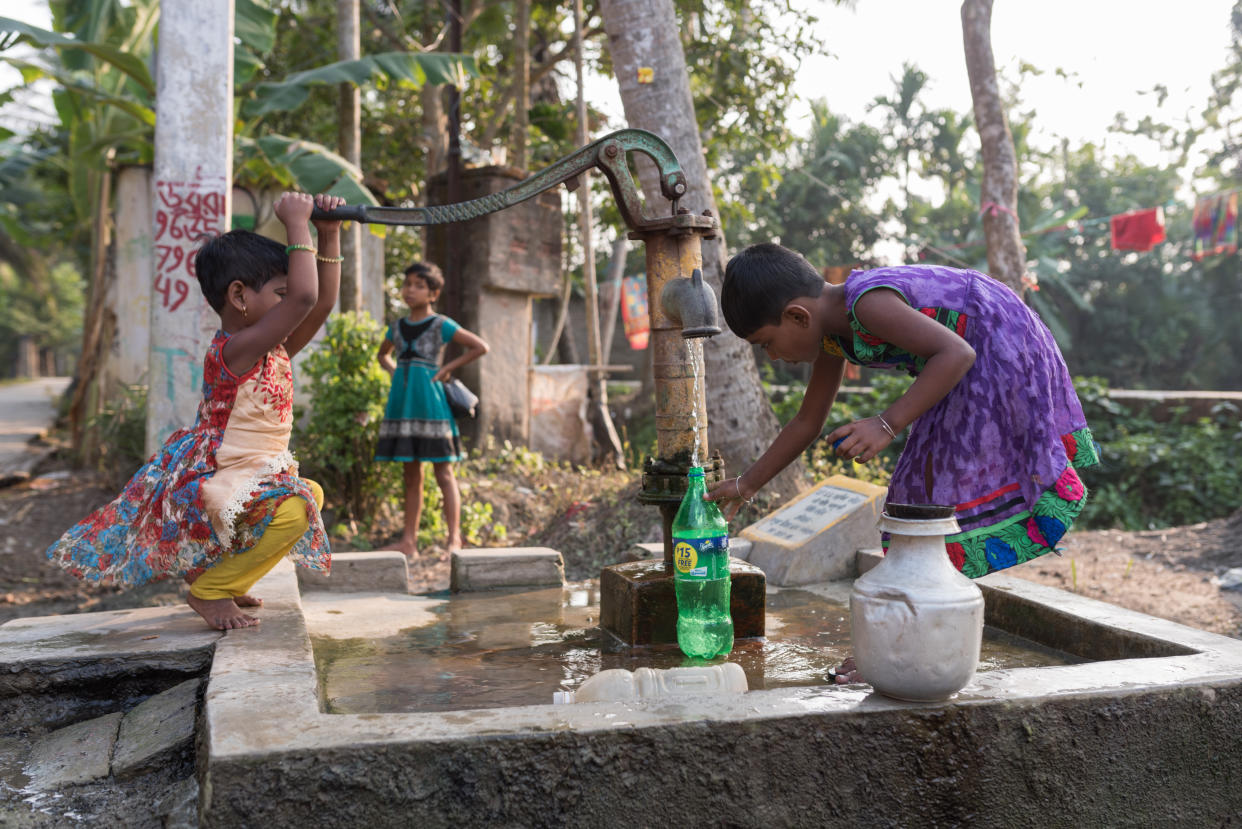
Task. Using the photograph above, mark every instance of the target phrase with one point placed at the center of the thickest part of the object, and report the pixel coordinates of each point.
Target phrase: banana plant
(105, 94)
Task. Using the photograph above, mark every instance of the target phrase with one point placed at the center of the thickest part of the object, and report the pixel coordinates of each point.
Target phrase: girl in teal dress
(418, 425)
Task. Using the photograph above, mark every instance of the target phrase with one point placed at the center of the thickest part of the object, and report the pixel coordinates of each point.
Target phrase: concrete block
(814, 538)
(489, 568)
(638, 601)
(39, 654)
(383, 571)
(644, 551)
(78, 753)
(156, 731)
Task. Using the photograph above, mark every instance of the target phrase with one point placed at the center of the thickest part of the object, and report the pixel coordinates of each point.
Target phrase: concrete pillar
(191, 193)
(130, 297)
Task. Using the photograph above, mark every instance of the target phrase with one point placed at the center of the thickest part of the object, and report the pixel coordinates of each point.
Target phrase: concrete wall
(505, 259)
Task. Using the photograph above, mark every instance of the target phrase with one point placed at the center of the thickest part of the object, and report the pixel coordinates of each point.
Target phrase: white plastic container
(646, 683)
(916, 622)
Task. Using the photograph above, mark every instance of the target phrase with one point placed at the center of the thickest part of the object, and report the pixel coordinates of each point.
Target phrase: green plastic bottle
(701, 574)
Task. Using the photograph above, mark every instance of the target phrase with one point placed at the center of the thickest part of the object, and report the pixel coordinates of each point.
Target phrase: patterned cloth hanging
(1216, 225)
(634, 311)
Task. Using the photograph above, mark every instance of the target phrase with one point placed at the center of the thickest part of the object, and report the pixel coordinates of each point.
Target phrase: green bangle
(330, 260)
(291, 248)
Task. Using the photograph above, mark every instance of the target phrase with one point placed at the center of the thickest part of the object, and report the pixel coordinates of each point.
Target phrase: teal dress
(418, 424)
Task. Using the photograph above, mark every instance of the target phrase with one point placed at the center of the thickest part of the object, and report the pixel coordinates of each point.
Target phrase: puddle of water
(501, 650)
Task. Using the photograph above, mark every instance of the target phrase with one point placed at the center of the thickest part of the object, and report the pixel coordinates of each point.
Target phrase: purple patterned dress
(1004, 443)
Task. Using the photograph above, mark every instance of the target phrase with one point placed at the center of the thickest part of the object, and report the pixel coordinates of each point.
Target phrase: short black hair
(760, 281)
(241, 255)
(429, 273)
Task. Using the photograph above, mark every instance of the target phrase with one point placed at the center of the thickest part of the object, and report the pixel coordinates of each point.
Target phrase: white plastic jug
(645, 683)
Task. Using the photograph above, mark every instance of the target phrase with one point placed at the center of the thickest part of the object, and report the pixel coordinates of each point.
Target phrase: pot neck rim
(919, 526)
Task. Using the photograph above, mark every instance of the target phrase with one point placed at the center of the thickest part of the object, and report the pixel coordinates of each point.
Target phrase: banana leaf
(127, 63)
(413, 68)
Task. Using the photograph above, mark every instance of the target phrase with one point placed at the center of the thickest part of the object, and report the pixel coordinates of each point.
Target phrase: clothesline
(1215, 227)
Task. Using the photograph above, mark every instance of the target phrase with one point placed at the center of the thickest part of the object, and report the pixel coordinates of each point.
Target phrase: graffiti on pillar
(187, 210)
(184, 213)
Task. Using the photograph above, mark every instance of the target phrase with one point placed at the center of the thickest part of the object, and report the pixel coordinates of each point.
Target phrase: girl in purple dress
(995, 426)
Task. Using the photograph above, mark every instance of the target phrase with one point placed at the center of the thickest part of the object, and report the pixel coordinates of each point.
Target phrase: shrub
(1159, 472)
(336, 438)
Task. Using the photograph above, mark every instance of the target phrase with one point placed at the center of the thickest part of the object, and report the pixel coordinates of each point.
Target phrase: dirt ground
(593, 519)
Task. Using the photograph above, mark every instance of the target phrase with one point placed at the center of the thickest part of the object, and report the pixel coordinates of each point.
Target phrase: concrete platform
(42, 652)
(1153, 735)
(493, 567)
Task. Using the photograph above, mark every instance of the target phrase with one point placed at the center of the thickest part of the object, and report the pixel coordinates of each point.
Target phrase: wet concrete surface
(469, 651)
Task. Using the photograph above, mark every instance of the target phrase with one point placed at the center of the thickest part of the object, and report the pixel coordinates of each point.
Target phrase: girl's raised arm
(297, 297)
(328, 261)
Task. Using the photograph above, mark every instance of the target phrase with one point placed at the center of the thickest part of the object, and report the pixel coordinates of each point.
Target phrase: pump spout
(691, 304)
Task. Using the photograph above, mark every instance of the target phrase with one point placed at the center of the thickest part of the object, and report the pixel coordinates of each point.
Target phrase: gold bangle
(291, 248)
(329, 260)
(886, 427)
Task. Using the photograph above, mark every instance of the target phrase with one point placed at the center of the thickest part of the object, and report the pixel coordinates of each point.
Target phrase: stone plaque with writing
(815, 537)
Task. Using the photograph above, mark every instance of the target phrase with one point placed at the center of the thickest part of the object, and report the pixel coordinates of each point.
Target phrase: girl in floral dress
(996, 428)
(221, 502)
(418, 425)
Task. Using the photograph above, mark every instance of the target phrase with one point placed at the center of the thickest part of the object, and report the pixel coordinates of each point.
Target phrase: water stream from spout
(694, 353)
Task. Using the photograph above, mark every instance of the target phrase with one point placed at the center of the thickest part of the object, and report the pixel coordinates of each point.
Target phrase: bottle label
(702, 558)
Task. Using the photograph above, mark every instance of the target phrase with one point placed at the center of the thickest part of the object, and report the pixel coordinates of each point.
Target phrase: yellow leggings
(234, 575)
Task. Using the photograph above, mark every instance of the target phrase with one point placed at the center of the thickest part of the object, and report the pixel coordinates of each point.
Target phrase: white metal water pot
(916, 622)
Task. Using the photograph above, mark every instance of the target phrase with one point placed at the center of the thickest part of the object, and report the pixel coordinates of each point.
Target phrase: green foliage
(121, 429)
(47, 309)
(1159, 469)
(336, 438)
(413, 70)
(821, 461)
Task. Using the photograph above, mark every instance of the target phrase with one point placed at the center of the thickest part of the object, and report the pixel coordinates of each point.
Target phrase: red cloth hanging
(1139, 230)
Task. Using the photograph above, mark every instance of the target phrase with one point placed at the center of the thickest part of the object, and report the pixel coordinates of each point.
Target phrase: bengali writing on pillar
(185, 212)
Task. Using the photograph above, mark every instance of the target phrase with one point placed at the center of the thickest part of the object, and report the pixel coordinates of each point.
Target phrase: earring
(245, 318)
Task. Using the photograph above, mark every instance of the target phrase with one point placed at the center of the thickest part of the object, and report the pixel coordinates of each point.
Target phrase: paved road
(26, 410)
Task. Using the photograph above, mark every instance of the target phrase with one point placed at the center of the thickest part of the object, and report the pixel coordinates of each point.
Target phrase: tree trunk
(80, 409)
(521, 120)
(644, 33)
(998, 195)
(349, 142)
(607, 444)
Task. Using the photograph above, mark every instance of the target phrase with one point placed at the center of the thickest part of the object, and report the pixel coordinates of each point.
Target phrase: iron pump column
(674, 251)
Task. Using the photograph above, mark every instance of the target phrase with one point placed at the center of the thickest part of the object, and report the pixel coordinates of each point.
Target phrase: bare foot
(847, 673)
(221, 614)
(246, 600)
(409, 546)
(454, 545)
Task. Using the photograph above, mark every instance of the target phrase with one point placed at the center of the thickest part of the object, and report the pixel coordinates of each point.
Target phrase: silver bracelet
(737, 484)
(887, 428)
